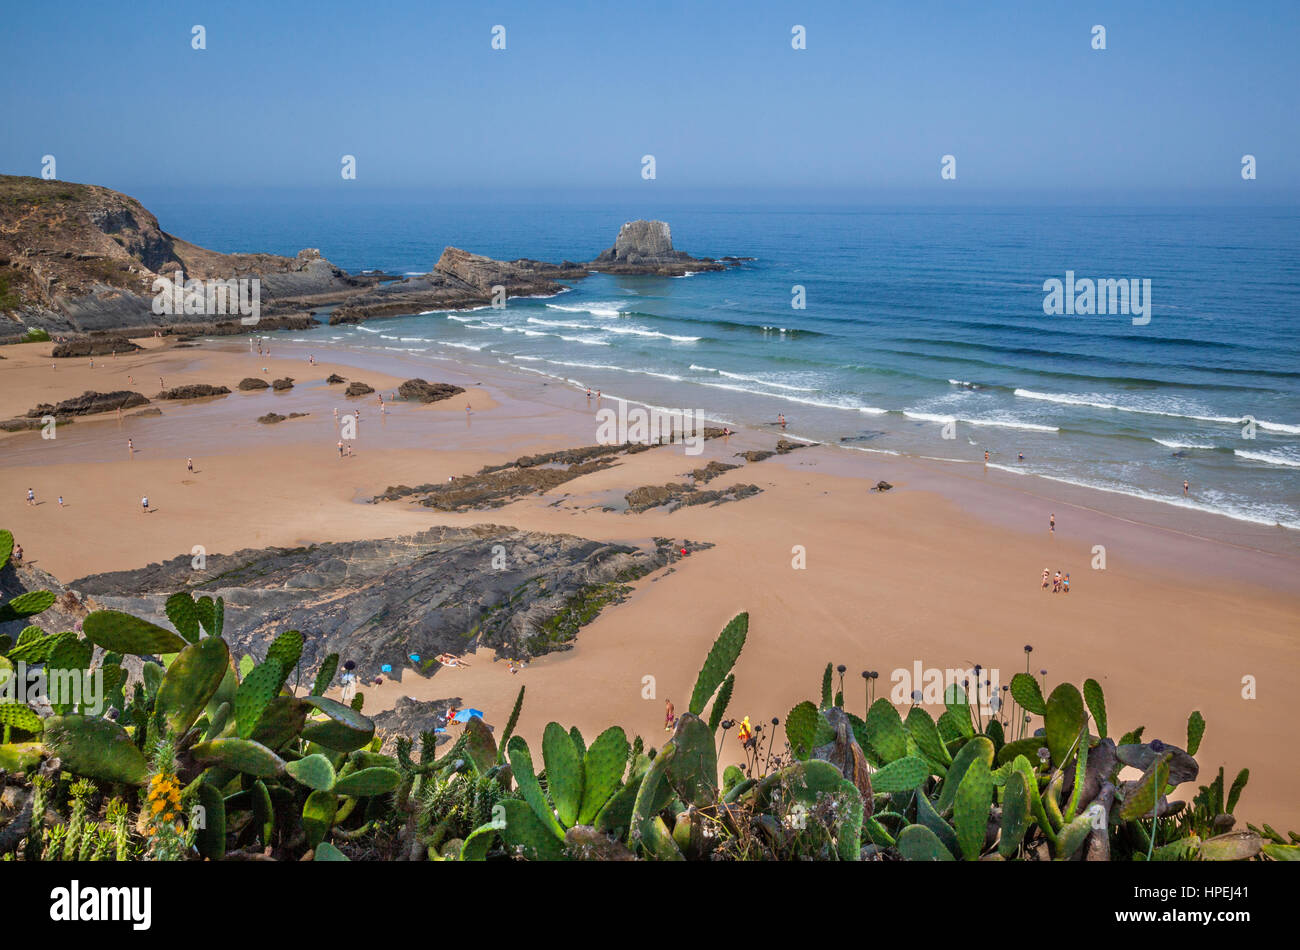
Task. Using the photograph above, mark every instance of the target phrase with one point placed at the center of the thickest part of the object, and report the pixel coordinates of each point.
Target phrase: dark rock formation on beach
(22, 424)
(421, 391)
(253, 382)
(334, 378)
(19, 578)
(783, 447)
(273, 417)
(412, 717)
(677, 495)
(93, 346)
(496, 485)
(377, 602)
(358, 388)
(89, 403)
(711, 471)
(280, 385)
(193, 391)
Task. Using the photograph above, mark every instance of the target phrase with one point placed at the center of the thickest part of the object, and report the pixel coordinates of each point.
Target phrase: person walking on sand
(1051, 524)
(189, 465)
(144, 504)
(31, 498)
(18, 553)
(670, 715)
(1056, 583)
(349, 681)
(340, 448)
(1047, 577)
(130, 449)
(1065, 584)
(60, 501)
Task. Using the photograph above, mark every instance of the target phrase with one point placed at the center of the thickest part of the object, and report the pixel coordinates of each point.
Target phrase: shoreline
(942, 569)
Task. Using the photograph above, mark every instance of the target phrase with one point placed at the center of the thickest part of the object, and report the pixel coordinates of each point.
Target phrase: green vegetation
(36, 335)
(9, 299)
(208, 757)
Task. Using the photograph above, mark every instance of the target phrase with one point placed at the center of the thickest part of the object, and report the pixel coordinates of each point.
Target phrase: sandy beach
(943, 569)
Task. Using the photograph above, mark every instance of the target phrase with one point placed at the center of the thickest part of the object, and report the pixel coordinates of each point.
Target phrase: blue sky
(712, 89)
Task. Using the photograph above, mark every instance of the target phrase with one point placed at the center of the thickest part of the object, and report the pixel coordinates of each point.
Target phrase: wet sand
(943, 569)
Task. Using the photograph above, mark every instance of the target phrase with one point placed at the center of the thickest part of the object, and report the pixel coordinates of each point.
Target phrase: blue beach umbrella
(415, 658)
(386, 668)
(465, 715)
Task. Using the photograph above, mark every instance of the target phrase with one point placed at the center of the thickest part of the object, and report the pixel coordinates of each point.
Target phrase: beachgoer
(670, 716)
(1185, 488)
(144, 504)
(130, 448)
(349, 680)
(1020, 456)
(18, 553)
(1056, 583)
(189, 465)
(1065, 584)
(1047, 577)
(1051, 524)
(60, 501)
(986, 456)
(31, 498)
(340, 448)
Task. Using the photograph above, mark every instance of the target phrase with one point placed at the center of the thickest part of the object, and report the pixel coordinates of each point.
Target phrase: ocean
(922, 331)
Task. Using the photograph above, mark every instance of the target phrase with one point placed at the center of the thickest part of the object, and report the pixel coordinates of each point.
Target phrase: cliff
(80, 259)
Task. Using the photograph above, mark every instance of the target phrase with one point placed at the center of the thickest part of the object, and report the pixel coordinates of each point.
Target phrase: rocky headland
(80, 261)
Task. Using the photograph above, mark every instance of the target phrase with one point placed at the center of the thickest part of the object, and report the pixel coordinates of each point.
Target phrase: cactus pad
(122, 633)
